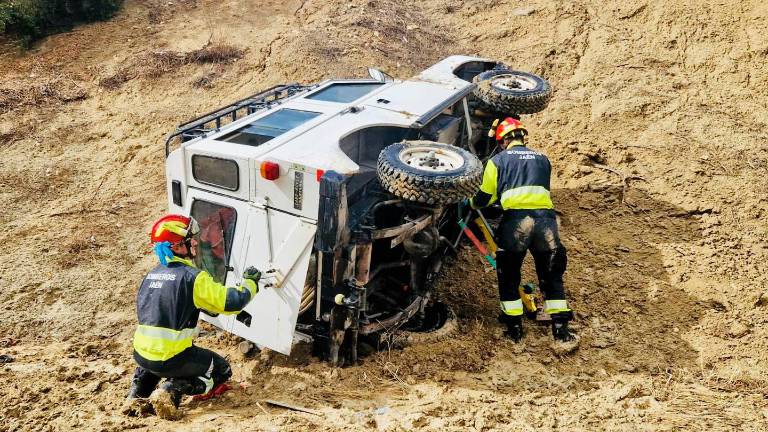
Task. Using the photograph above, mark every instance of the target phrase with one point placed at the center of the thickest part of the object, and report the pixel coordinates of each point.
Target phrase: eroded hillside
(657, 133)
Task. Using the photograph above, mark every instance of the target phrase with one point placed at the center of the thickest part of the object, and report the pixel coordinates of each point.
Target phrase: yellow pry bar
(492, 247)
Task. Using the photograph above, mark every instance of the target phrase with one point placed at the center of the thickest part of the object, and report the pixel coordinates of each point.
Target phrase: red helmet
(173, 228)
(509, 125)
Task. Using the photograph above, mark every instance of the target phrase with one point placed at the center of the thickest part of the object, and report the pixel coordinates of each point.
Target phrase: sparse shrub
(216, 53)
(29, 20)
(155, 64)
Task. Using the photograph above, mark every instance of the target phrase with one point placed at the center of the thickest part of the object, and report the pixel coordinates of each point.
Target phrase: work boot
(514, 326)
(165, 400)
(565, 341)
(560, 332)
(136, 407)
(136, 403)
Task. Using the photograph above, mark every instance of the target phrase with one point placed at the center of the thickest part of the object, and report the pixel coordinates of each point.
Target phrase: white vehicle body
(276, 221)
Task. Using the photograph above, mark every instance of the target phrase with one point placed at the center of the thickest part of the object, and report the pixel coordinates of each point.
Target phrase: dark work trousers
(193, 371)
(536, 231)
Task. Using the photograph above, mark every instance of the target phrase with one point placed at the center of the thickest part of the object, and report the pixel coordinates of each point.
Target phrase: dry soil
(657, 132)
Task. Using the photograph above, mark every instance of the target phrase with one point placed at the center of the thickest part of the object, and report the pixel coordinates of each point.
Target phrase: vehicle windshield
(269, 127)
(214, 241)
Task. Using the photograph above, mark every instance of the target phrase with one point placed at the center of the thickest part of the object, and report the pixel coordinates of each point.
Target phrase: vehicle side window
(216, 172)
(270, 126)
(344, 92)
(214, 241)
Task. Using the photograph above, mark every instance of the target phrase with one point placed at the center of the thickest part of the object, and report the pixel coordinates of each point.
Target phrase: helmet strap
(187, 242)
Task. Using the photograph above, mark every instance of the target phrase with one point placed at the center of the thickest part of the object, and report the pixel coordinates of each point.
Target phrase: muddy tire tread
(522, 102)
(429, 188)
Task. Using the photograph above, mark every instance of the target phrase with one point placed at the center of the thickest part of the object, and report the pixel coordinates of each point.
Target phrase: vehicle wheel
(429, 172)
(440, 324)
(512, 92)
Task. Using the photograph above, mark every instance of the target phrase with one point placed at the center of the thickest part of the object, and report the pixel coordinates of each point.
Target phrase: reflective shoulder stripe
(513, 308)
(526, 197)
(555, 306)
(186, 262)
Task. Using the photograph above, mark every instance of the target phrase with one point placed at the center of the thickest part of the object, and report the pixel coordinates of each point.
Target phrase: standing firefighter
(168, 305)
(519, 178)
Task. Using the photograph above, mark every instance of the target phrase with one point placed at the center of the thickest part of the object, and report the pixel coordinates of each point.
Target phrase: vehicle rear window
(270, 126)
(344, 92)
(216, 171)
(214, 241)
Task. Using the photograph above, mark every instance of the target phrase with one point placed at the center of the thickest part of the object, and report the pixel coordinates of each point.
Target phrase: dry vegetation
(58, 90)
(158, 63)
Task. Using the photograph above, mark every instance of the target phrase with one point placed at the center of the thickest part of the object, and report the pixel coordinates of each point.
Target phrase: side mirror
(379, 75)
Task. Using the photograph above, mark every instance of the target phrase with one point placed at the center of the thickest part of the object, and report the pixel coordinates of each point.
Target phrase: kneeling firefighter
(519, 178)
(168, 305)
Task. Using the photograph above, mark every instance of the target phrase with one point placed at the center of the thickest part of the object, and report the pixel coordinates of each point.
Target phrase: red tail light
(270, 170)
(319, 174)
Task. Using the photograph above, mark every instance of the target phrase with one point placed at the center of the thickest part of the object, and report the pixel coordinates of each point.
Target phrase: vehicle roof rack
(212, 121)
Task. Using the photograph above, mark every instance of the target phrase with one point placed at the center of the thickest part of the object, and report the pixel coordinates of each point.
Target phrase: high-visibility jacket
(168, 305)
(518, 177)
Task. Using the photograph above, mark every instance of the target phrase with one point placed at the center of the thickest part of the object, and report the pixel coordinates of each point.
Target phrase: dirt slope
(667, 249)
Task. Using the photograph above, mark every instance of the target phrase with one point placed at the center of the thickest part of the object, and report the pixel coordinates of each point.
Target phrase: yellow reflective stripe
(490, 177)
(555, 306)
(526, 197)
(160, 344)
(166, 333)
(489, 185)
(513, 308)
(250, 286)
(186, 262)
(176, 227)
(208, 294)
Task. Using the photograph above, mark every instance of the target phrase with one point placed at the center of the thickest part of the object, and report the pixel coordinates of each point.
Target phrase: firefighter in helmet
(168, 304)
(519, 178)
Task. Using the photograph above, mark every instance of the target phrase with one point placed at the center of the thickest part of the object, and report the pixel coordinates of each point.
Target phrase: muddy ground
(667, 248)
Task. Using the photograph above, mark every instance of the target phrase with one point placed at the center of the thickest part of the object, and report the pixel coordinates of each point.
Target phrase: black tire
(425, 185)
(496, 91)
(448, 328)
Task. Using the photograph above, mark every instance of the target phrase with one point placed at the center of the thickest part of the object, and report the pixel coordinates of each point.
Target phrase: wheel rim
(431, 159)
(513, 82)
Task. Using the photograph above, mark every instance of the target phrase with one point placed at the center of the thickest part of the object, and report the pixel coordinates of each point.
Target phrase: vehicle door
(280, 245)
(223, 224)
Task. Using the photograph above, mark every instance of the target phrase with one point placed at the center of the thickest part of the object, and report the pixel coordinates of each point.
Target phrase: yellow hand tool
(527, 294)
(480, 222)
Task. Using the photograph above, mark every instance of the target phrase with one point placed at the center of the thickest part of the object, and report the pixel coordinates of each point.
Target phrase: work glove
(253, 274)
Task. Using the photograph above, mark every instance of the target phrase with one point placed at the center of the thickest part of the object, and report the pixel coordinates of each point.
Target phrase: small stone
(762, 300)
(524, 11)
(738, 329)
